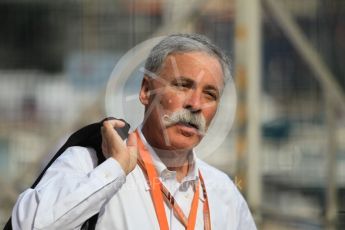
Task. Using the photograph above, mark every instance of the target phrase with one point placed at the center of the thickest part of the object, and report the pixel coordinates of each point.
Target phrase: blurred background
(286, 150)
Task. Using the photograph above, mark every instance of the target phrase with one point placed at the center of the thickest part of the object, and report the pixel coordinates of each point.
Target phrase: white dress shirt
(74, 188)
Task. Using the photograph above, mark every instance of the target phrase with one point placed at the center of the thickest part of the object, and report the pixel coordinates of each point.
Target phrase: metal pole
(248, 80)
(331, 182)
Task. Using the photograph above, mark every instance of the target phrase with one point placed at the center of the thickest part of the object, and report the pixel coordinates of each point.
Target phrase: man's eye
(181, 85)
(212, 96)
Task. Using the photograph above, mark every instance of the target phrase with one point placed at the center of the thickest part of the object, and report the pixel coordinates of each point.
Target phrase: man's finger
(114, 123)
(113, 139)
(108, 129)
(132, 150)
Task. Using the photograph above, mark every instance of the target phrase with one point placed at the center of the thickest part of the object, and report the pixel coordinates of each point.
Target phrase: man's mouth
(189, 124)
(188, 129)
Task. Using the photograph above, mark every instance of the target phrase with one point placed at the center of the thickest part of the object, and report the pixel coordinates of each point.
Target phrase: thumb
(132, 149)
(132, 140)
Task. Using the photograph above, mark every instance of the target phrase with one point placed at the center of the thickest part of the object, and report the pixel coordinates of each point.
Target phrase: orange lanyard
(158, 191)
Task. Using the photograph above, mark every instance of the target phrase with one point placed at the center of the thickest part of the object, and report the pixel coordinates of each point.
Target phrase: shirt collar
(162, 170)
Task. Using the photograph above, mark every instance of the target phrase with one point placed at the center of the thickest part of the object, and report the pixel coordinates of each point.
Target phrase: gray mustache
(187, 117)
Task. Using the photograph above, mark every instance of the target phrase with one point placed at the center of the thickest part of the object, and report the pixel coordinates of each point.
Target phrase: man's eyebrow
(184, 78)
(192, 81)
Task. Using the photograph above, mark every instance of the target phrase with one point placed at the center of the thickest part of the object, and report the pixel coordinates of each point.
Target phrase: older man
(154, 180)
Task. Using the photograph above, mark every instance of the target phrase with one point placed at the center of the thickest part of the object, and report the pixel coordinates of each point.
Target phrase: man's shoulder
(77, 156)
(221, 188)
(78, 151)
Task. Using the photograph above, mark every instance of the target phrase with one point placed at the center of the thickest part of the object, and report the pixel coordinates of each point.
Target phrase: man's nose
(193, 101)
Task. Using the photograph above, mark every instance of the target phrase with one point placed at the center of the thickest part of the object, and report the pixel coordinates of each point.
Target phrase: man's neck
(174, 160)
(177, 161)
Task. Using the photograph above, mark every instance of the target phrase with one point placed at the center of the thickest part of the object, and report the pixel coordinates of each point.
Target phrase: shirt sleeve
(246, 221)
(72, 190)
(238, 215)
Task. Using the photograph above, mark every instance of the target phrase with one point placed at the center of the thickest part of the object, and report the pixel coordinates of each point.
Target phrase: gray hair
(176, 43)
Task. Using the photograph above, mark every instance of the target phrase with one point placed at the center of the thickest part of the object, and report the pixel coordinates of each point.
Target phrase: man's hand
(114, 146)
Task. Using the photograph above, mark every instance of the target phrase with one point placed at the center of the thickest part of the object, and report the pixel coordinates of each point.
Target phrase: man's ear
(144, 95)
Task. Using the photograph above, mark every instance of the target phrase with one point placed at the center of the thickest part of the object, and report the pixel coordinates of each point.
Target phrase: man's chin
(183, 140)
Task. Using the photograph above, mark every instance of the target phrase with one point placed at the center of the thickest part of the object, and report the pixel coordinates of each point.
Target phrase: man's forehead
(197, 57)
(197, 64)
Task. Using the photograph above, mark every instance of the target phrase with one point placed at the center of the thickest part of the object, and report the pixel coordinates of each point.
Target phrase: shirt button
(167, 175)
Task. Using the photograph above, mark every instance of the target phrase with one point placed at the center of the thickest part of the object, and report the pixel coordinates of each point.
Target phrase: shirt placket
(183, 197)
